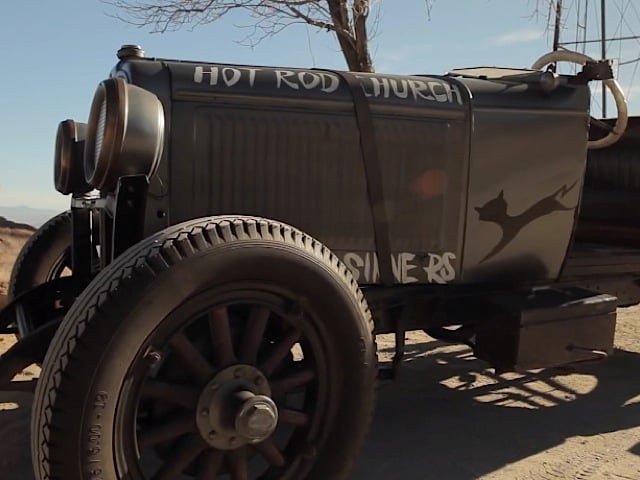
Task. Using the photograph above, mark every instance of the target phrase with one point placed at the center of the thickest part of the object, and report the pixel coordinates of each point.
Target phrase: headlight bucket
(125, 134)
(68, 166)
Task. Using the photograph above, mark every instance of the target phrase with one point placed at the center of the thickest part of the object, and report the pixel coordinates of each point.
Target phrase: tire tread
(149, 258)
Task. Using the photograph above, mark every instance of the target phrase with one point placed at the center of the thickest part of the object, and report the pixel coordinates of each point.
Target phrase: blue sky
(55, 52)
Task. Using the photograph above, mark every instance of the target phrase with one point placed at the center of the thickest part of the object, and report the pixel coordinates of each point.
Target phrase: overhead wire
(588, 12)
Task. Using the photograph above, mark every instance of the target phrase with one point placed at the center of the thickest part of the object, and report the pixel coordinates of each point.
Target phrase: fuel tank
(457, 155)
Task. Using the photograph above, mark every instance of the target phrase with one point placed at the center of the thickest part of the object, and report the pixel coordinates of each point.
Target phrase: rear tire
(209, 307)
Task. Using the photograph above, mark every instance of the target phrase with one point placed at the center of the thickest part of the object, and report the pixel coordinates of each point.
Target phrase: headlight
(125, 134)
(68, 167)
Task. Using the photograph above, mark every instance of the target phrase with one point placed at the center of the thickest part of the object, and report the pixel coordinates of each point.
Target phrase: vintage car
(237, 235)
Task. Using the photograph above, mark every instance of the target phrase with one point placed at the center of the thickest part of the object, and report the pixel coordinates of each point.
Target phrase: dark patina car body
(467, 205)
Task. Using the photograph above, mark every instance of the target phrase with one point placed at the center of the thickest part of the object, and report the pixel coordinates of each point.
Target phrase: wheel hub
(257, 418)
(235, 408)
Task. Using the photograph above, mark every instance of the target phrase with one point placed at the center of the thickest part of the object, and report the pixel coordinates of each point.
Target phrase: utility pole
(603, 46)
(556, 28)
(603, 40)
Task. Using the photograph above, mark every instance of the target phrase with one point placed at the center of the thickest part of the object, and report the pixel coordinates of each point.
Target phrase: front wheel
(44, 257)
(229, 347)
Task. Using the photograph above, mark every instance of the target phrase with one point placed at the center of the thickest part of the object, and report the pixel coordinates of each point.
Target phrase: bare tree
(347, 19)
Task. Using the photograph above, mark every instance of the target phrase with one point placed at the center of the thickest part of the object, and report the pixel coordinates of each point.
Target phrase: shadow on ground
(447, 417)
(15, 457)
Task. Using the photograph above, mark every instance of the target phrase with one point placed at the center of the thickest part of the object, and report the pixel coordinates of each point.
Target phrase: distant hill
(34, 217)
(13, 235)
(4, 223)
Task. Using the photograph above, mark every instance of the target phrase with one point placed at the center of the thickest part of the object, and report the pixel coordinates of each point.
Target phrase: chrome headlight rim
(125, 134)
(110, 98)
(68, 170)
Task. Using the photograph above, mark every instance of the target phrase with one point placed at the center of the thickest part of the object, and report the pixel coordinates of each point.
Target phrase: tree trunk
(352, 38)
(360, 13)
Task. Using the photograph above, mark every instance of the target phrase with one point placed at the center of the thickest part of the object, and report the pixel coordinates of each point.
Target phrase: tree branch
(347, 19)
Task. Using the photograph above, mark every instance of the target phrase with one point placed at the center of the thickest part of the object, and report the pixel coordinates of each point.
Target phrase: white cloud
(518, 36)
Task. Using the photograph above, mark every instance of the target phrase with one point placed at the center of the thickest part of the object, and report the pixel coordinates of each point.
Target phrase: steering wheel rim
(611, 84)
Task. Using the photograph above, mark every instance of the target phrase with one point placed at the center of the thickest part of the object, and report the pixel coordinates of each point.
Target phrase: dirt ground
(448, 417)
(11, 241)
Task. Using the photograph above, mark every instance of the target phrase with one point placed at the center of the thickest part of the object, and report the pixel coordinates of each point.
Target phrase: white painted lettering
(354, 262)
(403, 91)
(309, 80)
(252, 75)
(417, 88)
(456, 91)
(364, 84)
(448, 273)
(330, 82)
(371, 270)
(439, 269)
(405, 258)
(380, 86)
(442, 96)
(395, 267)
(230, 76)
(283, 76)
(200, 72)
(372, 86)
(401, 266)
(405, 266)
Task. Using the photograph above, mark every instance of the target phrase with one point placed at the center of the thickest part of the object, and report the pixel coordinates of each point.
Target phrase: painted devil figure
(495, 211)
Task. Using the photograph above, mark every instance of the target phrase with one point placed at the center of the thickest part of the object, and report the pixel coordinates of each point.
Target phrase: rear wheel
(230, 347)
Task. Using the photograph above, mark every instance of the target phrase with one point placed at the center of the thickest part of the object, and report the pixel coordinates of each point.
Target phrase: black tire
(44, 257)
(94, 409)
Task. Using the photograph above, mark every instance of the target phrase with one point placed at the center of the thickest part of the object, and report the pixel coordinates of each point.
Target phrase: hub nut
(235, 408)
(257, 419)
